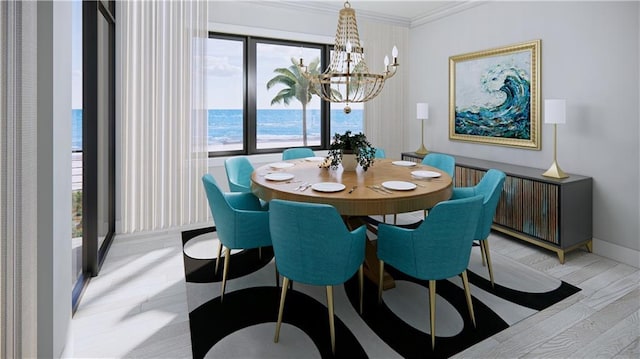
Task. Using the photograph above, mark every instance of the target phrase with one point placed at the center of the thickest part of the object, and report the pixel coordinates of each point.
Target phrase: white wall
(54, 177)
(589, 56)
(298, 26)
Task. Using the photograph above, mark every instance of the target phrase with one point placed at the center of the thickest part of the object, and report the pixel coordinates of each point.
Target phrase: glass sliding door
(76, 145)
(105, 132)
(98, 135)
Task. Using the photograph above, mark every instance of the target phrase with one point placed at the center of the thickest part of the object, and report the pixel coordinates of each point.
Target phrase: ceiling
(407, 13)
(403, 9)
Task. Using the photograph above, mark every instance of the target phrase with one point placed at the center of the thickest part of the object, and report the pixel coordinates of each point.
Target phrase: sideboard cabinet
(555, 214)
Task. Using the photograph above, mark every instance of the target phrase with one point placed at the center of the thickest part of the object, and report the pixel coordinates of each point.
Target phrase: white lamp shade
(555, 111)
(422, 111)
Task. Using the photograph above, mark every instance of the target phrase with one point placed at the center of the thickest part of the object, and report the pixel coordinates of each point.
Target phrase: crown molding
(329, 8)
(316, 7)
(446, 10)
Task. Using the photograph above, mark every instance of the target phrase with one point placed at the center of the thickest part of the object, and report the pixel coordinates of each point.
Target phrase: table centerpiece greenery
(351, 144)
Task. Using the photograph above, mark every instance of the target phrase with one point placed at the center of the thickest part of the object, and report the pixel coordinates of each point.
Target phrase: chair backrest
(380, 153)
(490, 187)
(240, 220)
(311, 243)
(239, 171)
(442, 162)
(442, 243)
(297, 152)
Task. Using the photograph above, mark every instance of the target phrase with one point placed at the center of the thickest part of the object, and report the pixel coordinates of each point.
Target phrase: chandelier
(348, 79)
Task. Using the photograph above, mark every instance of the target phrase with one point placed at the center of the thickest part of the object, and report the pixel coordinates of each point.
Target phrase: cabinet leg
(561, 256)
(589, 246)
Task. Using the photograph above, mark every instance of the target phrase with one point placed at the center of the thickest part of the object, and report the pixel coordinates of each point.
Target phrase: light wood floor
(137, 306)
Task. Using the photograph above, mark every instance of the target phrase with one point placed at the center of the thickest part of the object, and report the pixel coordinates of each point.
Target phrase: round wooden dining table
(363, 193)
(387, 187)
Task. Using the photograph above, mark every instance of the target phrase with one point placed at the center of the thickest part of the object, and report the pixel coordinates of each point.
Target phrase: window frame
(249, 78)
(93, 252)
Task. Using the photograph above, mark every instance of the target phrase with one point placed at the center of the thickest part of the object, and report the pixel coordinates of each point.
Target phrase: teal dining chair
(242, 222)
(239, 171)
(441, 161)
(439, 248)
(304, 253)
(490, 188)
(297, 152)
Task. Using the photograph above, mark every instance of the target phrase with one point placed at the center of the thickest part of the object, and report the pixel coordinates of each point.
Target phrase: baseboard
(616, 252)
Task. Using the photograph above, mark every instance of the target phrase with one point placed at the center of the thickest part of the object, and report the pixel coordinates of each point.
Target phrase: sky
(76, 55)
(224, 69)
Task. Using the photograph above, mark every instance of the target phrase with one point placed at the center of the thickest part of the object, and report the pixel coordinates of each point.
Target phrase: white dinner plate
(399, 185)
(327, 187)
(281, 165)
(314, 159)
(404, 163)
(425, 174)
(279, 176)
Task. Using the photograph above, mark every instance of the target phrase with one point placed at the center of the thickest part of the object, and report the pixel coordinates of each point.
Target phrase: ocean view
(225, 126)
(76, 130)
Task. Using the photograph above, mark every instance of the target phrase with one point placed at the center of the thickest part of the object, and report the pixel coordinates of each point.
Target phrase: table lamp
(555, 112)
(422, 113)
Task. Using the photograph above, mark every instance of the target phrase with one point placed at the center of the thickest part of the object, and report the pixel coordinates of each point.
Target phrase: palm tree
(296, 87)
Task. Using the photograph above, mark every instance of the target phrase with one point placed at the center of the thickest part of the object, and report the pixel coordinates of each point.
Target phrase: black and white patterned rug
(243, 325)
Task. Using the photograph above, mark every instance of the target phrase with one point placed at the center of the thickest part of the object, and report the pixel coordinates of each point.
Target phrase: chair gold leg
(467, 294)
(361, 284)
(486, 253)
(380, 280)
(432, 311)
(283, 295)
(225, 269)
(332, 329)
(215, 272)
(482, 252)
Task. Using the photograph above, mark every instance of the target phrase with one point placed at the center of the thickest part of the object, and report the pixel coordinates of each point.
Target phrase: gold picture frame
(494, 96)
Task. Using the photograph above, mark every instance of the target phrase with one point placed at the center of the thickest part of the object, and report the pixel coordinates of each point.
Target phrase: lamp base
(422, 150)
(555, 172)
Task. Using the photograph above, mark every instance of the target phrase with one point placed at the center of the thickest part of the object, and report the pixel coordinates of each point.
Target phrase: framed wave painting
(494, 96)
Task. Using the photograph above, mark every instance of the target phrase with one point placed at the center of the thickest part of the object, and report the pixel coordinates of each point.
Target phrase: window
(225, 90)
(96, 119)
(76, 144)
(258, 102)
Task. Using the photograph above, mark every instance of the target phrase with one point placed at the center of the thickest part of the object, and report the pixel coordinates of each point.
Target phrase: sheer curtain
(384, 116)
(18, 173)
(163, 117)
